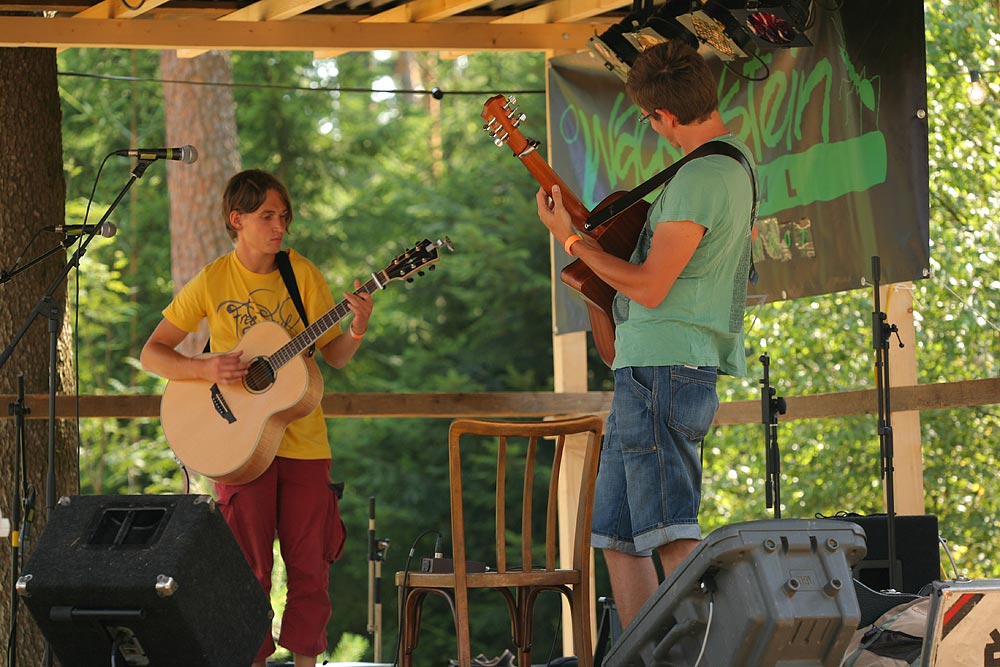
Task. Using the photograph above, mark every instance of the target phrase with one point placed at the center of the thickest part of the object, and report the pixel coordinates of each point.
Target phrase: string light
(977, 92)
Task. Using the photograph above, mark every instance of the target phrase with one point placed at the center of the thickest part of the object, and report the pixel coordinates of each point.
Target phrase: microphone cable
(402, 597)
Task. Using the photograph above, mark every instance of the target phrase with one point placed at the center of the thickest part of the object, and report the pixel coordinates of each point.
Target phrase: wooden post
(569, 366)
(908, 477)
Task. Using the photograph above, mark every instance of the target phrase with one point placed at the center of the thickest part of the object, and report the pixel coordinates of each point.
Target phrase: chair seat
(511, 578)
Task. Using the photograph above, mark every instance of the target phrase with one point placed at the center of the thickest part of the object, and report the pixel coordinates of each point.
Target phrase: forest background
(375, 163)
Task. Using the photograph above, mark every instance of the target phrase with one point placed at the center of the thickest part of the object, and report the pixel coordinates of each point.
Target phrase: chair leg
(409, 631)
(583, 644)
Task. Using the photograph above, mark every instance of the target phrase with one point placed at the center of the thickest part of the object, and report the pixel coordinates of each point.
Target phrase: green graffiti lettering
(785, 115)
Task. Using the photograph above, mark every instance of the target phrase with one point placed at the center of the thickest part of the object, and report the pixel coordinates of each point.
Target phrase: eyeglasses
(644, 117)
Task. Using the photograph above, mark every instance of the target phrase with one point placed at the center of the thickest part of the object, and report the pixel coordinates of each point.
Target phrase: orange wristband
(354, 334)
(568, 244)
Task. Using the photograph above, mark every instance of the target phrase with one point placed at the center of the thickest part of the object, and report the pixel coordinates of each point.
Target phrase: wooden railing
(966, 393)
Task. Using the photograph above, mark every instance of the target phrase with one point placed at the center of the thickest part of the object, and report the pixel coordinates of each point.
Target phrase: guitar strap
(715, 147)
(288, 275)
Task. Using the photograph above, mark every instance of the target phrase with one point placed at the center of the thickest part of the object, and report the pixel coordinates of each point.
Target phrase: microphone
(106, 229)
(186, 154)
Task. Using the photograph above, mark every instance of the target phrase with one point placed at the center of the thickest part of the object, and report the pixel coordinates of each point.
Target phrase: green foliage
(371, 173)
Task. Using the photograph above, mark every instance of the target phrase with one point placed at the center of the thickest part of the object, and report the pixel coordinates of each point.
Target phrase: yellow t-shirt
(234, 299)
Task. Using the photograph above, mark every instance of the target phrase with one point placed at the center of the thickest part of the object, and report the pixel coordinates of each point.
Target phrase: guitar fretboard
(311, 334)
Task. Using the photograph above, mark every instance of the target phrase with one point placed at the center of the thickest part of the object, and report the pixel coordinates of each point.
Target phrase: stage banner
(838, 130)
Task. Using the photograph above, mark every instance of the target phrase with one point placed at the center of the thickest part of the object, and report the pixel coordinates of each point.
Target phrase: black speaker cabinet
(918, 554)
(160, 579)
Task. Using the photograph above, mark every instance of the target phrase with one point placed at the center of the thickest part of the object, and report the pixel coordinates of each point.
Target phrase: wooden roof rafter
(326, 27)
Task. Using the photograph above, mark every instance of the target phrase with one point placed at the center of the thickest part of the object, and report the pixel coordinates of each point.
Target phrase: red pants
(292, 499)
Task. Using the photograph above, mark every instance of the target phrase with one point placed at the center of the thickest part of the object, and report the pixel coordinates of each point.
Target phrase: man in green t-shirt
(679, 323)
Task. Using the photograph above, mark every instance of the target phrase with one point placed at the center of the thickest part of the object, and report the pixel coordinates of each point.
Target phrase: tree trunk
(205, 117)
(32, 196)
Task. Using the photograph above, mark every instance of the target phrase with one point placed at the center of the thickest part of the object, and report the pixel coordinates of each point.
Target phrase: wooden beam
(116, 9)
(262, 10)
(966, 393)
(423, 11)
(563, 11)
(20, 31)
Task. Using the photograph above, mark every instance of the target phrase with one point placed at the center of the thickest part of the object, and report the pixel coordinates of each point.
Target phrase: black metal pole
(771, 406)
(18, 410)
(881, 332)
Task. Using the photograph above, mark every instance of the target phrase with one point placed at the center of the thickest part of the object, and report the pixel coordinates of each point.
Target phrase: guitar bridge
(220, 405)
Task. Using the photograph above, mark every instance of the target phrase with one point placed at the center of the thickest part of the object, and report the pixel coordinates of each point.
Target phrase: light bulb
(977, 93)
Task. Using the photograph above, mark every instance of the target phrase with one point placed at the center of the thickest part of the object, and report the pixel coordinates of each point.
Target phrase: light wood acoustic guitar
(231, 432)
(617, 237)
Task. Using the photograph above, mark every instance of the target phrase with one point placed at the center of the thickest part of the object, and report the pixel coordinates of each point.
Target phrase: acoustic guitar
(231, 432)
(617, 237)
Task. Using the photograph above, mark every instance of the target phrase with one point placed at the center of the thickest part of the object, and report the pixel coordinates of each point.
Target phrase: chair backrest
(476, 438)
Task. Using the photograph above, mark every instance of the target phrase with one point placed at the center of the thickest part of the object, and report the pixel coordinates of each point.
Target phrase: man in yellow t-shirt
(292, 498)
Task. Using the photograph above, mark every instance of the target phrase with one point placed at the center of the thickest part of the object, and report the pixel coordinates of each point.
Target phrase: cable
(76, 328)
(947, 551)
(708, 586)
(767, 70)
(708, 627)
(552, 648)
(402, 596)
(435, 92)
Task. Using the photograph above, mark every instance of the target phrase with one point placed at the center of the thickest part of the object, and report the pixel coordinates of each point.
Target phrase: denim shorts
(649, 480)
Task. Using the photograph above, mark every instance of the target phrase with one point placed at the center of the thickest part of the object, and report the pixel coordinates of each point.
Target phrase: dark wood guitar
(617, 237)
(231, 432)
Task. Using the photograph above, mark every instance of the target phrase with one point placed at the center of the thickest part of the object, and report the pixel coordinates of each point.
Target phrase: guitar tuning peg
(431, 267)
(409, 280)
(420, 273)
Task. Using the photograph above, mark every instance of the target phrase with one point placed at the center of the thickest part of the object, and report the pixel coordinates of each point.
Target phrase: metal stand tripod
(771, 406)
(881, 332)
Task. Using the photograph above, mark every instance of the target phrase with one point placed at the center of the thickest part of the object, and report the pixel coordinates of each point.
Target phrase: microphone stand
(771, 407)
(53, 311)
(376, 555)
(18, 410)
(881, 332)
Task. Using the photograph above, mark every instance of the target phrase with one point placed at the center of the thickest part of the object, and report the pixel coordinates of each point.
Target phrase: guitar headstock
(503, 116)
(423, 255)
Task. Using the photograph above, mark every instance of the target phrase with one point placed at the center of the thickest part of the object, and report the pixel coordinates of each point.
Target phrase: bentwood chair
(516, 575)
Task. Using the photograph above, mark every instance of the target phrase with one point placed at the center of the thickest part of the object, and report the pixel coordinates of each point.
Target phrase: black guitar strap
(616, 207)
(288, 275)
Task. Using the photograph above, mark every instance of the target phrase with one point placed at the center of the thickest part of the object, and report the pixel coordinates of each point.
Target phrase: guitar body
(617, 237)
(231, 432)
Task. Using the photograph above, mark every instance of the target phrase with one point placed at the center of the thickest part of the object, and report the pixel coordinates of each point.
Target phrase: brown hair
(246, 191)
(673, 76)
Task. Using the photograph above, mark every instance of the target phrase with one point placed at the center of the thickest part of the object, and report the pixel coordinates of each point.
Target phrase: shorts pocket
(335, 534)
(693, 405)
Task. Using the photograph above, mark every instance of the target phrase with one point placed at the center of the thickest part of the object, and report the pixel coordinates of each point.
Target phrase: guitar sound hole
(260, 375)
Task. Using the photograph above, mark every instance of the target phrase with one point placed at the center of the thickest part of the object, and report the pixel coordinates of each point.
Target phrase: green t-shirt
(700, 322)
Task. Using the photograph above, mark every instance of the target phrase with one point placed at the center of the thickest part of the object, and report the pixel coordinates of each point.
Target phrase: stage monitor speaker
(154, 580)
(918, 553)
(755, 594)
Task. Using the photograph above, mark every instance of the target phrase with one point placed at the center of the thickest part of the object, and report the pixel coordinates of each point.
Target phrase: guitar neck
(312, 333)
(546, 177)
